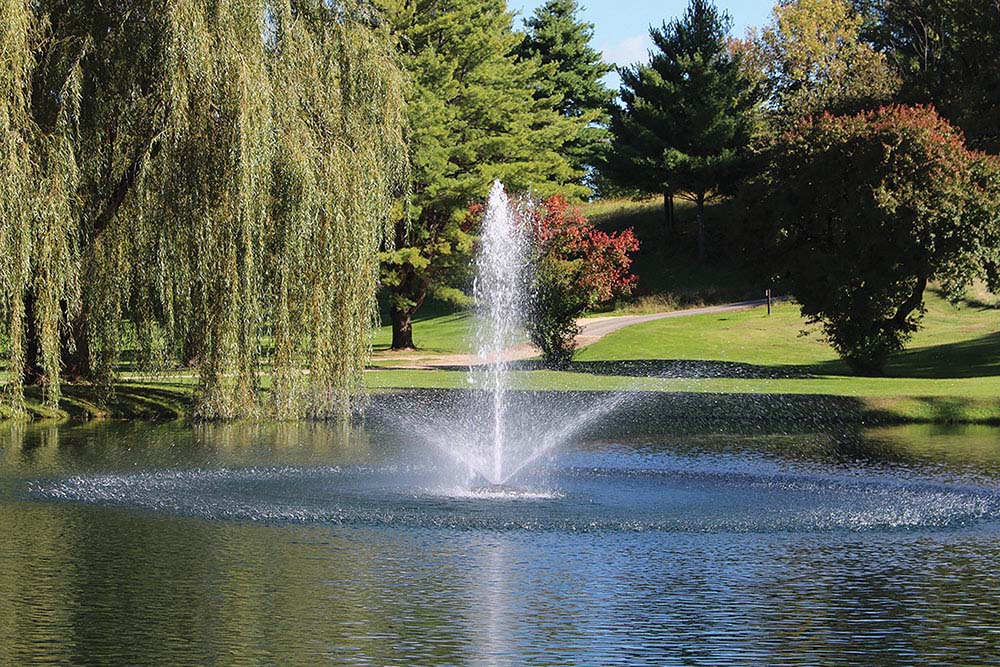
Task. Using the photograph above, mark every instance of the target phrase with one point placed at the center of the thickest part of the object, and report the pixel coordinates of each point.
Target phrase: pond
(136, 544)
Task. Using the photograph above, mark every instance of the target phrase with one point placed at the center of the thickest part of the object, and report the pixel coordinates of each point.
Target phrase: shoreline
(162, 402)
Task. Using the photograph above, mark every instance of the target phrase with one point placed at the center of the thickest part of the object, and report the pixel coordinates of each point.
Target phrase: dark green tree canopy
(946, 52)
(570, 75)
(686, 116)
(474, 116)
(573, 69)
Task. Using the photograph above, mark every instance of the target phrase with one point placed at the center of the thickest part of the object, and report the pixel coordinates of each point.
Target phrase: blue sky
(621, 26)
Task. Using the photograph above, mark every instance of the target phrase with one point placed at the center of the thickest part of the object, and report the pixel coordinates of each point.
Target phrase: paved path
(592, 329)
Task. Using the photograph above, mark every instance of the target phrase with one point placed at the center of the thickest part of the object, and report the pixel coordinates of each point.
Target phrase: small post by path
(767, 293)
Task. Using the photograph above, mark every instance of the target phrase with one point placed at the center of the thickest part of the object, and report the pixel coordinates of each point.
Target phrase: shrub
(577, 267)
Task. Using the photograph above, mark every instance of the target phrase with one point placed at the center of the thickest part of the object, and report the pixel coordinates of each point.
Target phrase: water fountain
(500, 291)
(493, 432)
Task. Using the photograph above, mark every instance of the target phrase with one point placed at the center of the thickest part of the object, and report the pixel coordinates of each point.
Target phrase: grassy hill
(670, 275)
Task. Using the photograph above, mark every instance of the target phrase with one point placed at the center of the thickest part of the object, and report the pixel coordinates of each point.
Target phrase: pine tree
(686, 115)
(572, 75)
(474, 117)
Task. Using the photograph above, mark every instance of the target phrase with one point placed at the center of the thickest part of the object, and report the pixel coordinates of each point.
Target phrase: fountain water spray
(500, 293)
(494, 432)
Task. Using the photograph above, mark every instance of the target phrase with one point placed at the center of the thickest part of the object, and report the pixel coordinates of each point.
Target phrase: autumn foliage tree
(861, 212)
(577, 267)
(814, 60)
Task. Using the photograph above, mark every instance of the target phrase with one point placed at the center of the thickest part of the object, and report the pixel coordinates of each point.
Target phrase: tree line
(224, 185)
(857, 139)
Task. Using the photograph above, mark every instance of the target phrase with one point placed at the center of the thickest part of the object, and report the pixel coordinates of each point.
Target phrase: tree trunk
(402, 328)
(32, 374)
(701, 226)
(668, 214)
(912, 303)
(74, 352)
(413, 290)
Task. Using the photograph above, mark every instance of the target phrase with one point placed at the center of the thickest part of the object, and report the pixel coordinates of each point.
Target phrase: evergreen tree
(572, 72)
(474, 117)
(686, 115)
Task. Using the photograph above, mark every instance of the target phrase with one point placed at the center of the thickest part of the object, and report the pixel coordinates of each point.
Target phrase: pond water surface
(137, 544)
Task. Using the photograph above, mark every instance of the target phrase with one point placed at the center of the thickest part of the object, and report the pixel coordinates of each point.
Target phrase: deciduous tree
(578, 267)
(814, 60)
(202, 170)
(946, 52)
(861, 212)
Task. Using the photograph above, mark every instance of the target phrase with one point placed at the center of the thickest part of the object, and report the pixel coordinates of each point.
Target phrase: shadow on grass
(978, 357)
(678, 368)
(669, 266)
(972, 358)
(127, 401)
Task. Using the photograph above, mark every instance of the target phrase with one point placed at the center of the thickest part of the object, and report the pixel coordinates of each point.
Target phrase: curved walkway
(592, 329)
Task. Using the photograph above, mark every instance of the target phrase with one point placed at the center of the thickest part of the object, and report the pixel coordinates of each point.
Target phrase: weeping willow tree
(16, 175)
(240, 160)
(338, 168)
(38, 181)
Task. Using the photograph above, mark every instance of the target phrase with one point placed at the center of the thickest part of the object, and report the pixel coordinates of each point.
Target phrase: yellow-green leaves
(815, 60)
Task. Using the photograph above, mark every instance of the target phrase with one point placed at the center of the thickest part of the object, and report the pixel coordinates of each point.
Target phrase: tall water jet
(495, 433)
(500, 293)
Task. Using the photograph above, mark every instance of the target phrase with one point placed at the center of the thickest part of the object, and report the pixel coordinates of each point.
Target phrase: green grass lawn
(950, 372)
(450, 333)
(438, 328)
(954, 342)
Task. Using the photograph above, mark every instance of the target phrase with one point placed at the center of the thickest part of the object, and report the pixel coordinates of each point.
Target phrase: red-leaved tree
(859, 213)
(577, 267)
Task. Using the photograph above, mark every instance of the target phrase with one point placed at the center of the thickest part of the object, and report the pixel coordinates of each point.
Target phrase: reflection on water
(674, 549)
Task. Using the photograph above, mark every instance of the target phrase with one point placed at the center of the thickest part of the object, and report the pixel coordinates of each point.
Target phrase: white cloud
(628, 51)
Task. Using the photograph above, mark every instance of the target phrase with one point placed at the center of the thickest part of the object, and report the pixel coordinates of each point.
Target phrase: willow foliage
(38, 178)
(15, 175)
(240, 161)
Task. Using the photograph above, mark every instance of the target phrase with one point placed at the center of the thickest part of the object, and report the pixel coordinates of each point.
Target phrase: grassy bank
(950, 373)
(670, 275)
(160, 400)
